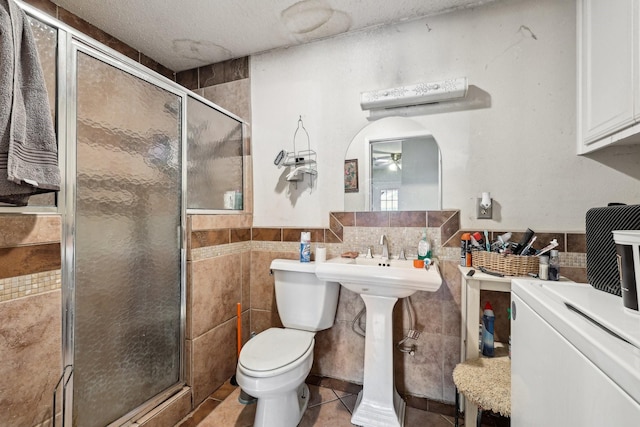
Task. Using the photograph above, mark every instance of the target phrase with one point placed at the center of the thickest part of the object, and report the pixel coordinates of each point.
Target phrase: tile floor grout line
(324, 401)
(345, 405)
(447, 420)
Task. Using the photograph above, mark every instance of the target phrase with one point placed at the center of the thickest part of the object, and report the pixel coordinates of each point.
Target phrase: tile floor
(327, 407)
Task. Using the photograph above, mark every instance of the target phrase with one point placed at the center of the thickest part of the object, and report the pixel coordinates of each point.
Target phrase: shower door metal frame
(74, 45)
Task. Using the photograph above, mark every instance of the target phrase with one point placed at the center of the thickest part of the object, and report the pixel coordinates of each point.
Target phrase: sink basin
(380, 282)
(377, 276)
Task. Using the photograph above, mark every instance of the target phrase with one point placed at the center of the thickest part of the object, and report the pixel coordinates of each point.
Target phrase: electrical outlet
(482, 212)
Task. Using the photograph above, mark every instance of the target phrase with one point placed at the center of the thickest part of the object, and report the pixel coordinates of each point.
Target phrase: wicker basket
(509, 265)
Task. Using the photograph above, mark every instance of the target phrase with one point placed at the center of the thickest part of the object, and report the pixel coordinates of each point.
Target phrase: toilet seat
(274, 351)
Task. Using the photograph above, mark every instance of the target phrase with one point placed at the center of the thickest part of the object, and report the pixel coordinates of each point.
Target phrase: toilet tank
(304, 301)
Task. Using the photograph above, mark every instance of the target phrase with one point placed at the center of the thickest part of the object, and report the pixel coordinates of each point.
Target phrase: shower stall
(122, 134)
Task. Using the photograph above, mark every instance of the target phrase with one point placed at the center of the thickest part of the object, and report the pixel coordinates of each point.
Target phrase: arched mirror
(393, 164)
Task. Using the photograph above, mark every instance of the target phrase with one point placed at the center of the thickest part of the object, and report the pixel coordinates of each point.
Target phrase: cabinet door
(607, 58)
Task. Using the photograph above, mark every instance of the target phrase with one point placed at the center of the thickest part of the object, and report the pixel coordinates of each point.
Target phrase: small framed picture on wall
(351, 176)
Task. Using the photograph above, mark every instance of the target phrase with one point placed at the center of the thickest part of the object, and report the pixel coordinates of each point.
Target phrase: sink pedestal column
(379, 404)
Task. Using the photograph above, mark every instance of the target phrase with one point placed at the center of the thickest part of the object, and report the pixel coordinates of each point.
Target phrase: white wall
(521, 148)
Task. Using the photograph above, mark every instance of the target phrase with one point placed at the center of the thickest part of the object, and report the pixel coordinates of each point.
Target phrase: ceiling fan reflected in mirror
(382, 159)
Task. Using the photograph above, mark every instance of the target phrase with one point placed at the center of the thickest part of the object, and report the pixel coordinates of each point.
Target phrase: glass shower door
(127, 241)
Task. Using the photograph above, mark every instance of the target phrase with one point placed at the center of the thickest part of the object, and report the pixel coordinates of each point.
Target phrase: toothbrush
(486, 241)
(547, 248)
(525, 250)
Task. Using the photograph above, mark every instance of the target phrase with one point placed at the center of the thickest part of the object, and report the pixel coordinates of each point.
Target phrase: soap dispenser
(424, 248)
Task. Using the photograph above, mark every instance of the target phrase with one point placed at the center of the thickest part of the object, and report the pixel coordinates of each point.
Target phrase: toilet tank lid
(275, 348)
(293, 265)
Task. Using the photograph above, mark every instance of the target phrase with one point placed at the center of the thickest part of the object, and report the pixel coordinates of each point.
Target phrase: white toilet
(274, 364)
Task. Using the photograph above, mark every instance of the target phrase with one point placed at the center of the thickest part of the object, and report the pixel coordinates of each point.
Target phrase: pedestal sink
(380, 283)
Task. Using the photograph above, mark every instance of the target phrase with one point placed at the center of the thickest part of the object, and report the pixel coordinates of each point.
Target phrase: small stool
(485, 382)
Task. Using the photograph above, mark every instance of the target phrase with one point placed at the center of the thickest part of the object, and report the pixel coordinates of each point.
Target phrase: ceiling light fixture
(417, 94)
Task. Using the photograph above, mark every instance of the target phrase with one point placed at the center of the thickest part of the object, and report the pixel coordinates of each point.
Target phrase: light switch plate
(484, 213)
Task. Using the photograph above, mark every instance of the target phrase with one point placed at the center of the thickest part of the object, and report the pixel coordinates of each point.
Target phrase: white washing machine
(575, 357)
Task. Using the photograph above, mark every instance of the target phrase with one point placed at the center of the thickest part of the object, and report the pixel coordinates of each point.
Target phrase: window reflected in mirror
(389, 199)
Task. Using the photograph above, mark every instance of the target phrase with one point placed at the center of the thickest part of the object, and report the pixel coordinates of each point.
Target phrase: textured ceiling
(184, 34)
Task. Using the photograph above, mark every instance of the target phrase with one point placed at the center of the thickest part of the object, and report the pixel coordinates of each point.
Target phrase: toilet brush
(244, 398)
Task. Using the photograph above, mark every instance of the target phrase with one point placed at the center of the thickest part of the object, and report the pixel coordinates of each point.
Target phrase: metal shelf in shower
(302, 162)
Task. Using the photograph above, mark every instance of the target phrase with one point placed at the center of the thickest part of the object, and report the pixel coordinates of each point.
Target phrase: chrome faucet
(385, 247)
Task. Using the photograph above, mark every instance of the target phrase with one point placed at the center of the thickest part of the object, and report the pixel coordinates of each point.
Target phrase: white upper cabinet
(608, 71)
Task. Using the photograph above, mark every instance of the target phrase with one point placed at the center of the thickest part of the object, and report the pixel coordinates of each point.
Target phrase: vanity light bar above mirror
(417, 94)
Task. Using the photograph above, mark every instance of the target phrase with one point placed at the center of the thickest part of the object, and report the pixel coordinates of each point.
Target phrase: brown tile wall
(567, 242)
(218, 277)
(340, 351)
(214, 74)
(30, 320)
(217, 243)
(572, 248)
(447, 221)
(94, 32)
(30, 331)
(22, 260)
(29, 255)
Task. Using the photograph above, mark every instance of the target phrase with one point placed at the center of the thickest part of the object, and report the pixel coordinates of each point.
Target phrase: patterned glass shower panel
(215, 158)
(127, 243)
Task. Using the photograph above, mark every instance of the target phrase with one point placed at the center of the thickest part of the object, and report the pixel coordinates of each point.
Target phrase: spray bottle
(465, 250)
(305, 246)
(488, 319)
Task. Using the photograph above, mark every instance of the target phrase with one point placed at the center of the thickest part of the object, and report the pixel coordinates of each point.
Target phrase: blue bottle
(305, 246)
(488, 319)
